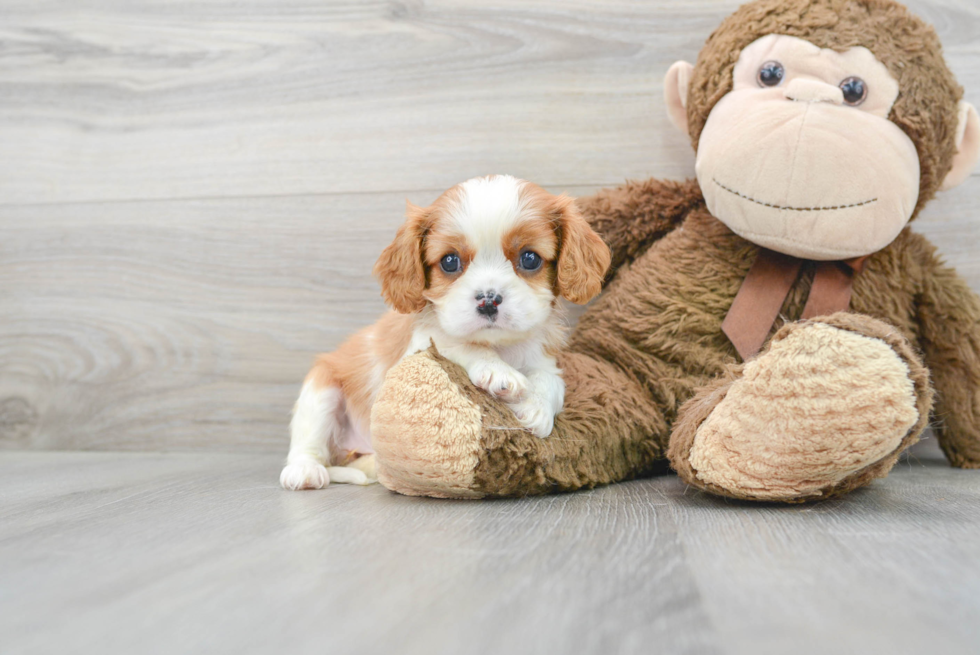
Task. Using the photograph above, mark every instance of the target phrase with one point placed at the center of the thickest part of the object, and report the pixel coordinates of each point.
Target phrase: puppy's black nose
(487, 301)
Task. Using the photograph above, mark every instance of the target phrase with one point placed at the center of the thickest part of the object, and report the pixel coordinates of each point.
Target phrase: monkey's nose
(804, 90)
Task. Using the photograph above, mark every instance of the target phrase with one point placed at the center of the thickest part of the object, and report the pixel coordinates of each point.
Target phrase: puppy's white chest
(521, 356)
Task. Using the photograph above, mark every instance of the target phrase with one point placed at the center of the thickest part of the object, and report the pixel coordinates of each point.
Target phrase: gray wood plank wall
(192, 194)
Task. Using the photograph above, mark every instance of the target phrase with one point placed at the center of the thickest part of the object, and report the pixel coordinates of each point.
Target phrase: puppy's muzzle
(487, 302)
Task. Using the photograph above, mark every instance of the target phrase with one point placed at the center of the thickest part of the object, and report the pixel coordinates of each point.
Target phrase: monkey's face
(800, 156)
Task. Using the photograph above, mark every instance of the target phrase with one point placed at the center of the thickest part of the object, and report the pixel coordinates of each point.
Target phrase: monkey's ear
(675, 93)
(967, 146)
(399, 269)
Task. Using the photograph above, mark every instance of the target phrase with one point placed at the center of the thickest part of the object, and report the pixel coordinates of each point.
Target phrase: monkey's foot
(426, 430)
(436, 434)
(825, 409)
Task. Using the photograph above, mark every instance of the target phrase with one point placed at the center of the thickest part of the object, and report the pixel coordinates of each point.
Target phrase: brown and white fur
(495, 316)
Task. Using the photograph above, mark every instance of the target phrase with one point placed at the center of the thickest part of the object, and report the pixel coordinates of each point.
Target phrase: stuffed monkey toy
(773, 328)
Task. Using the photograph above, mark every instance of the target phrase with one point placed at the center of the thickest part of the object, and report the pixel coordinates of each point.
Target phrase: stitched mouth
(793, 209)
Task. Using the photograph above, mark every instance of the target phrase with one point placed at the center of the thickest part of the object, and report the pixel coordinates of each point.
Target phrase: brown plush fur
(653, 340)
(427, 439)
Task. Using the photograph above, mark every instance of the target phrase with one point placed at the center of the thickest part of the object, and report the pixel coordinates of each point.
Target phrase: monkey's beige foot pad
(827, 408)
(425, 431)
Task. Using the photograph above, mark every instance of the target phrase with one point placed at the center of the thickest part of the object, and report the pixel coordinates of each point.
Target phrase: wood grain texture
(188, 325)
(121, 100)
(192, 196)
(891, 569)
(178, 325)
(121, 553)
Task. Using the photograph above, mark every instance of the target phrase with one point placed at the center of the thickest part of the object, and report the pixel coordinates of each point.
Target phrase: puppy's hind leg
(349, 475)
(354, 442)
(318, 418)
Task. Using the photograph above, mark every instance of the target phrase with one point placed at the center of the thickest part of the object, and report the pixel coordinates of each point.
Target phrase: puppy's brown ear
(583, 257)
(400, 269)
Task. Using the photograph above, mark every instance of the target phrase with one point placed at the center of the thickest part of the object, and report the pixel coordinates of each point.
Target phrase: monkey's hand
(949, 326)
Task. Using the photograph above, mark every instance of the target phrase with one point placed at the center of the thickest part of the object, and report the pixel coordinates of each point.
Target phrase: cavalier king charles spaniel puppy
(477, 274)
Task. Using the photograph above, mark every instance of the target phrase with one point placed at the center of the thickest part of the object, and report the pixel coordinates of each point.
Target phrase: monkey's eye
(530, 260)
(771, 74)
(450, 263)
(855, 90)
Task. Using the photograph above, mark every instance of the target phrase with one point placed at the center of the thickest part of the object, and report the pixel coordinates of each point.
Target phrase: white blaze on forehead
(487, 209)
(483, 211)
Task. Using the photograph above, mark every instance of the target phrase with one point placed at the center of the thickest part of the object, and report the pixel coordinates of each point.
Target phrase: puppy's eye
(771, 74)
(855, 90)
(530, 260)
(450, 263)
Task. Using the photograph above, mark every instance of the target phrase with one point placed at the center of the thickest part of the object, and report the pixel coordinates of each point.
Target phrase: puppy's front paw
(304, 474)
(499, 380)
(535, 415)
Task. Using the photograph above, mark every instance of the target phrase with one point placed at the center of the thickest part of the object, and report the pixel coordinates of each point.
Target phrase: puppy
(478, 274)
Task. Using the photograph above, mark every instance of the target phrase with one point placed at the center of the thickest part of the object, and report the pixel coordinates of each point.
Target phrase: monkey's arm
(949, 329)
(632, 216)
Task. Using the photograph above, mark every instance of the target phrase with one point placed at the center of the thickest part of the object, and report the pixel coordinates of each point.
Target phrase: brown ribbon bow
(766, 286)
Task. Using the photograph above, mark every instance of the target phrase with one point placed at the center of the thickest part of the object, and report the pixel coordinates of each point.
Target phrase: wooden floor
(203, 553)
(192, 196)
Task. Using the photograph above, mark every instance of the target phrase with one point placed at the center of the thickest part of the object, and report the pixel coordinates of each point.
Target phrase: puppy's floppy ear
(400, 269)
(583, 257)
